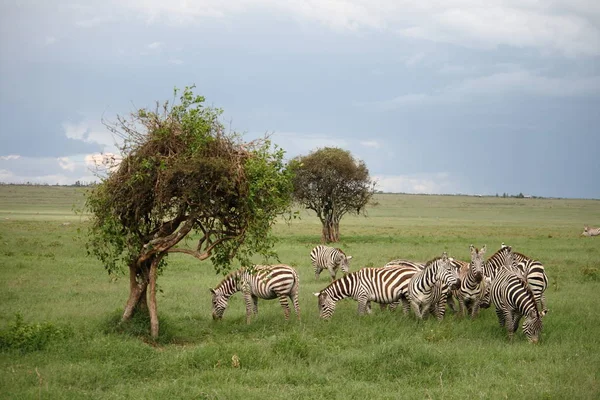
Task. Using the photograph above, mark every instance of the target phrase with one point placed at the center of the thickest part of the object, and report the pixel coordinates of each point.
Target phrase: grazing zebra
(472, 285)
(381, 285)
(406, 264)
(513, 299)
(587, 231)
(330, 258)
(427, 290)
(264, 281)
(534, 272)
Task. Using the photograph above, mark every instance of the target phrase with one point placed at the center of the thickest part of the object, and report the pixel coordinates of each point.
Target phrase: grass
(46, 277)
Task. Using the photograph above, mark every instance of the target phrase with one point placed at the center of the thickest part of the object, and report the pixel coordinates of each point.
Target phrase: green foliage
(590, 273)
(181, 170)
(31, 337)
(332, 183)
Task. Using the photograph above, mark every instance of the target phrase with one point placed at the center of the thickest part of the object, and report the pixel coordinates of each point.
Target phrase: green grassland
(69, 307)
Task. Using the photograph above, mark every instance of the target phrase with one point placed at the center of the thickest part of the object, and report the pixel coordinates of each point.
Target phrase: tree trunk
(152, 297)
(137, 292)
(331, 232)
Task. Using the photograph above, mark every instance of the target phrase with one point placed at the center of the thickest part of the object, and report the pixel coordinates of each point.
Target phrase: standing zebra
(513, 299)
(428, 287)
(587, 231)
(264, 281)
(330, 258)
(533, 271)
(472, 285)
(382, 285)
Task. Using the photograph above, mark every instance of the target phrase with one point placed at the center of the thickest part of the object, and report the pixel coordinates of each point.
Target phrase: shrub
(30, 337)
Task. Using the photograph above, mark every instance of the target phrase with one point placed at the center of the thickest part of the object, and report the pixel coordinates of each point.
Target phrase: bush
(31, 337)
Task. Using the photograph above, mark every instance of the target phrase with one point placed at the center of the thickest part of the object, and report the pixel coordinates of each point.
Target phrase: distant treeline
(76, 184)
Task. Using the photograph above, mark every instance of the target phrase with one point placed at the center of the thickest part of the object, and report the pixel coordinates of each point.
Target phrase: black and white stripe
(382, 285)
(262, 281)
(427, 290)
(472, 284)
(535, 274)
(330, 258)
(513, 299)
(587, 231)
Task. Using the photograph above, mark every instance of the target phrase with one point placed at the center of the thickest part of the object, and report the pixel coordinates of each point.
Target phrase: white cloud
(439, 183)
(370, 143)
(563, 26)
(175, 61)
(414, 59)
(66, 163)
(154, 45)
(91, 131)
(513, 81)
(48, 40)
(10, 157)
(103, 161)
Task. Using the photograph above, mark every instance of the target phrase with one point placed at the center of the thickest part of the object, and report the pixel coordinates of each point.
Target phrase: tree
(180, 175)
(332, 183)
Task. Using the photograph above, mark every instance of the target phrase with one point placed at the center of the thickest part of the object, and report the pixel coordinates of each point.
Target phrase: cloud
(563, 26)
(90, 131)
(414, 60)
(10, 157)
(49, 40)
(100, 162)
(301, 144)
(66, 163)
(175, 61)
(439, 183)
(515, 81)
(370, 143)
(154, 45)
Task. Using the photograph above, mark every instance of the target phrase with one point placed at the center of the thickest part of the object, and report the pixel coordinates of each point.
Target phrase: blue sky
(436, 97)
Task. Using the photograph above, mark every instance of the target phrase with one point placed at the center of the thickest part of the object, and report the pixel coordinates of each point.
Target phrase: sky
(435, 97)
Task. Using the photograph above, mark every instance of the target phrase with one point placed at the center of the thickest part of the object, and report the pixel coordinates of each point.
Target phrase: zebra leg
(363, 304)
(515, 321)
(255, 304)
(508, 317)
(318, 272)
(501, 319)
(543, 308)
(462, 307)
(332, 273)
(405, 306)
(248, 300)
(475, 309)
(416, 309)
(450, 302)
(440, 309)
(284, 304)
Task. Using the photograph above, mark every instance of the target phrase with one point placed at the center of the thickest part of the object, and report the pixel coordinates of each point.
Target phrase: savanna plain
(59, 311)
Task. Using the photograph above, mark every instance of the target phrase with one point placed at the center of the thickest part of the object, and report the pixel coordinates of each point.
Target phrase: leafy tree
(181, 175)
(332, 183)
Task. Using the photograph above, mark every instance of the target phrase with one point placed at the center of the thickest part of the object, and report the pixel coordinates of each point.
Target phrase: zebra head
(344, 261)
(326, 305)
(446, 273)
(532, 327)
(477, 261)
(219, 303)
(486, 293)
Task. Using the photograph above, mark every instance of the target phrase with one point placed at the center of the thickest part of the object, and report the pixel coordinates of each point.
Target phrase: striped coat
(426, 290)
(262, 281)
(513, 299)
(330, 258)
(472, 284)
(532, 270)
(381, 285)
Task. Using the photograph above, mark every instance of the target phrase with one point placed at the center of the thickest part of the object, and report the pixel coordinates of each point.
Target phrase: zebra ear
(317, 294)
(472, 248)
(483, 249)
(212, 290)
(349, 258)
(444, 256)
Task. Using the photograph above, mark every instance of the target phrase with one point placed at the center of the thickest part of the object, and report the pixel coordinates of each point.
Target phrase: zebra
(330, 258)
(261, 281)
(513, 299)
(472, 284)
(427, 289)
(381, 285)
(587, 231)
(535, 274)
(406, 264)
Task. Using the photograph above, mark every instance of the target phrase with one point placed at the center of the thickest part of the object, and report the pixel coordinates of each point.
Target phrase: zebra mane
(428, 263)
(340, 250)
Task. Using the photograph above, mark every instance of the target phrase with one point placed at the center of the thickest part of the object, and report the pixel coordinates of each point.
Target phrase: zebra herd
(513, 282)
